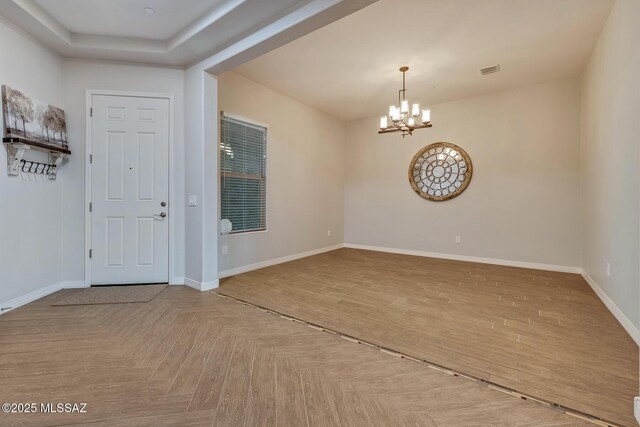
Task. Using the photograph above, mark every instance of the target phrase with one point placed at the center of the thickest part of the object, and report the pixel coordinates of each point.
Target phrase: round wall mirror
(440, 171)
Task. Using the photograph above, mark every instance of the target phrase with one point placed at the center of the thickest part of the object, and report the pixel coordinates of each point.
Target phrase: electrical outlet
(328, 233)
(636, 408)
(458, 240)
(225, 250)
(608, 269)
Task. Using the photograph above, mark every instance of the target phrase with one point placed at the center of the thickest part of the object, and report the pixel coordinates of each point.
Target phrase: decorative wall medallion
(440, 171)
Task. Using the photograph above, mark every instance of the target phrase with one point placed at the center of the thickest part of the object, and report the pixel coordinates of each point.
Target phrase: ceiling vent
(490, 70)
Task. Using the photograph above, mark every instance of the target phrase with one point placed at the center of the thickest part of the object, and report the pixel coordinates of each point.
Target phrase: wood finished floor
(541, 333)
(197, 359)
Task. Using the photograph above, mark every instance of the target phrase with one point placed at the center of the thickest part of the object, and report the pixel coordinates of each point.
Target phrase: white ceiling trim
(128, 44)
(297, 23)
(45, 19)
(202, 23)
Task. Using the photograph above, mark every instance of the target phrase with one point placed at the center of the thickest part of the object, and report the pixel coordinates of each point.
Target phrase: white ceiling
(180, 32)
(127, 17)
(349, 69)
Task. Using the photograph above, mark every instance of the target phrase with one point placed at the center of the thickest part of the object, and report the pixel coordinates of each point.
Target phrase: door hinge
(90, 159)
(90, 111)
(90, 207)
(90, 253)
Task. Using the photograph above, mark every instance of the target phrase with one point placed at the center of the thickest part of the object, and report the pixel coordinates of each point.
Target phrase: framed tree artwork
(33, 122)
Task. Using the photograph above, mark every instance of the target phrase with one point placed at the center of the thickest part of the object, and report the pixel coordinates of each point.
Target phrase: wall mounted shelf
(16, 148)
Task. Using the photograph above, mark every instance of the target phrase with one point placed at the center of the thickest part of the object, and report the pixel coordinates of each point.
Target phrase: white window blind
(243, 174)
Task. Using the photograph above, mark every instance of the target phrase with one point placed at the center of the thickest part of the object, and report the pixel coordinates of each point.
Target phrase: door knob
(163, 214)
(163, 204)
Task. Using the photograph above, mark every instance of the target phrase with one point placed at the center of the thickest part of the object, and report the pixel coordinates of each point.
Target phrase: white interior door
(129, 190)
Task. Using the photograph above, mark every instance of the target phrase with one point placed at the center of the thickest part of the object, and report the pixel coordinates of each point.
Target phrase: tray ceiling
(128, 18)
(173, 32)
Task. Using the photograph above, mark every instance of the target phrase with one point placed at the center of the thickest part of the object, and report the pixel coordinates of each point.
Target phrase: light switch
(193, 200)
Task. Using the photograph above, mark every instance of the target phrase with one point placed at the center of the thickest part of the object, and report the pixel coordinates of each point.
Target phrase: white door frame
(87, 180)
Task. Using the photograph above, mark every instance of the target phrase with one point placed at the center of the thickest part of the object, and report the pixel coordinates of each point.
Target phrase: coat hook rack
(17, 147)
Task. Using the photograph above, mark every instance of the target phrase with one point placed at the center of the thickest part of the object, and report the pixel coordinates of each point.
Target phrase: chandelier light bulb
(396, 114)
(391, 109)
(415, 110)
(404, 108)
(383, 122)
(411, 122)
(426, 116)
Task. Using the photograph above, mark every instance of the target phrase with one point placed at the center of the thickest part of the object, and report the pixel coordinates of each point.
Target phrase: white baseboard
(201, 286)
(14, 303)
(270, 262)
(177, 281)
(613, 308)
(494, 261)
(73, 284)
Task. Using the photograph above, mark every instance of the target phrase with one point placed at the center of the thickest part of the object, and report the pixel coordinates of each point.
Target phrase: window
(243, 174)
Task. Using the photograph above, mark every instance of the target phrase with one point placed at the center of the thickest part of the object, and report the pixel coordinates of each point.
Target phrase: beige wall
(610, 159)
(305, 151)
(522, 203)
(30, 207)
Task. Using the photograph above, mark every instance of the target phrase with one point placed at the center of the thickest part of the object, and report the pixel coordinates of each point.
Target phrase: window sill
(244, 233)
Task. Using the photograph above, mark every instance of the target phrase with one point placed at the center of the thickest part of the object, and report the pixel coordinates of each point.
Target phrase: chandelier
(401, 119)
